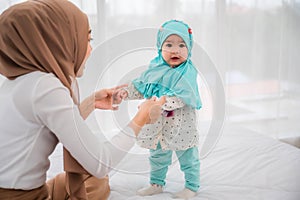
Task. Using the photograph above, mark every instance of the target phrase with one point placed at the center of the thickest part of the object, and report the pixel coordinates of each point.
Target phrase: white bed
(243, 165)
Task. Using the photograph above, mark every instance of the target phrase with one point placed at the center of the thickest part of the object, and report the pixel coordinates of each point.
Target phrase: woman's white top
(176, 132)
(36, 111)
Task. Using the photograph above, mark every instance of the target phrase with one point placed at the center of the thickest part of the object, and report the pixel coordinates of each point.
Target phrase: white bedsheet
(243, 166)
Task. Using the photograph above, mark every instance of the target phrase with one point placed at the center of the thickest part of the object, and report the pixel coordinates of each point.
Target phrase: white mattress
(243, 166)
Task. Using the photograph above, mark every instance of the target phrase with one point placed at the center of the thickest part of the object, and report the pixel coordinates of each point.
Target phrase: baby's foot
(184, 194)
(150, 190)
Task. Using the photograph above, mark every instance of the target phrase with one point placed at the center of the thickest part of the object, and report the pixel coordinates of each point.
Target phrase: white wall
(254, 45)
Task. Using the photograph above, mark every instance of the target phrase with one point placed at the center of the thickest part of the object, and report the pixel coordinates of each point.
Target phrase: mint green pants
(189, 165)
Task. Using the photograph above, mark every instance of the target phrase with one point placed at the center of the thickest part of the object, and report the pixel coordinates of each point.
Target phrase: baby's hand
(119, 95)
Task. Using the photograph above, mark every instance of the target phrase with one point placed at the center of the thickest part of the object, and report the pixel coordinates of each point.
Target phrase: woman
(44, 45)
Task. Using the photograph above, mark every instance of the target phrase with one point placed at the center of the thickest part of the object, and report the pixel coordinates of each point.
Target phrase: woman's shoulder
(39, 75)
(38, 81)
(35, 75)
(43, 78)
(30, 80)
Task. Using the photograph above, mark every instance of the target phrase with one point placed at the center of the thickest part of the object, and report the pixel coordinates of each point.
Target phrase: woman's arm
(55, 109)
(87, 106)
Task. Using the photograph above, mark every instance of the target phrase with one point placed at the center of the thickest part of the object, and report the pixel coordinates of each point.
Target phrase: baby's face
(174, 51)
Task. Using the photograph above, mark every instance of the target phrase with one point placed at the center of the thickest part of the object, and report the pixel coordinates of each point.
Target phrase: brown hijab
(49, 36)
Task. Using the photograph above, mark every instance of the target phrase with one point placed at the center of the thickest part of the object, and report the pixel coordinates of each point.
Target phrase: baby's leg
(190, 165)
(159, 161)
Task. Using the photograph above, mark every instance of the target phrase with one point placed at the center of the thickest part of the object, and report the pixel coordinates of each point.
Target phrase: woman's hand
(104, 98)
(101, 99)
(149, 112)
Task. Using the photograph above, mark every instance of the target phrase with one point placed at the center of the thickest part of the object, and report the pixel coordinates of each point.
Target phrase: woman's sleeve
(55, 109)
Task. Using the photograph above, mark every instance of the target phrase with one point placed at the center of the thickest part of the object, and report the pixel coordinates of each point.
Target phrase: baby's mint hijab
(162, 80)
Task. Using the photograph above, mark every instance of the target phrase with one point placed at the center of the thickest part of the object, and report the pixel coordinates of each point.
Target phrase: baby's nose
(175, 50)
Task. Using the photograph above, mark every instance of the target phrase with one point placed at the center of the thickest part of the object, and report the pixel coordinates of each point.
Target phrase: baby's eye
(90, 39)
(181, 45)
(168, 45)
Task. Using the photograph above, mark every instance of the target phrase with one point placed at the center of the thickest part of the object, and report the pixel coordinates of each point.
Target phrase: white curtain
(254, 45)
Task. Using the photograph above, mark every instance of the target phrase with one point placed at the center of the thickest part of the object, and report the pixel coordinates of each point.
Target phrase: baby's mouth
(175, 58)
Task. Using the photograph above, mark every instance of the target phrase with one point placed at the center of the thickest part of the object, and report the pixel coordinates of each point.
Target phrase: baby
(171, 74)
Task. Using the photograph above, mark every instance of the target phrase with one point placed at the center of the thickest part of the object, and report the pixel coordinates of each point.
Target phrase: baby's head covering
(49, 36)
(175, 27)
(162, 80)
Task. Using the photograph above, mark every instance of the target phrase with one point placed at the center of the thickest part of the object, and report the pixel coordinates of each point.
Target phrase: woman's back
(25, 141)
